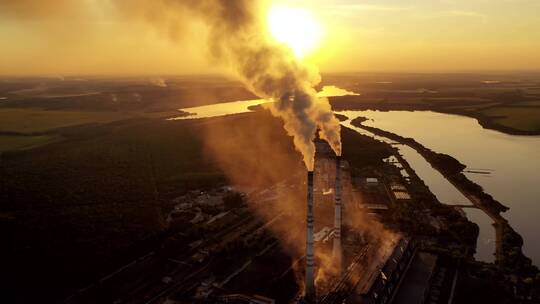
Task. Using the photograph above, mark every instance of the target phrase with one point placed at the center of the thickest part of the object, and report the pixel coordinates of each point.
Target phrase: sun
(296, 28)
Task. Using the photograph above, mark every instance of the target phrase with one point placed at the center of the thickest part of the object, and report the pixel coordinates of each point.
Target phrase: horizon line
(226, 75)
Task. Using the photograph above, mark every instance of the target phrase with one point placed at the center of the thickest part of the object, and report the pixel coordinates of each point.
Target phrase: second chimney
(337, 250)
(310, 261)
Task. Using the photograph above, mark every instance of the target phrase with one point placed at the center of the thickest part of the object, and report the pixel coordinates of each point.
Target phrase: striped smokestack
(337, 250)
(310, 262)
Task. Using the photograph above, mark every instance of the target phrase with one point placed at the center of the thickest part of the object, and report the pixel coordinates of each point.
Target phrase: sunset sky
(91, 37)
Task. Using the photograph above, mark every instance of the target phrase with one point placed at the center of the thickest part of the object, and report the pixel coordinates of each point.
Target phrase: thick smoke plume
(238, 38)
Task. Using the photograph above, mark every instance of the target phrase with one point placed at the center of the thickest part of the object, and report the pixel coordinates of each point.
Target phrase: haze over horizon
(269, 151)
(95, 37)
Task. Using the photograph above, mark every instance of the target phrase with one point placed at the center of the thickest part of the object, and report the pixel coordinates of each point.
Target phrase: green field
(524, 119)
(9, 143)
(30, 128)
(38, 120)
(534, 103)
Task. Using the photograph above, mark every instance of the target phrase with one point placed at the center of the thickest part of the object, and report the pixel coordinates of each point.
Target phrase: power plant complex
(337, 254)
(365, 272)
(310, 247)
(349, 256)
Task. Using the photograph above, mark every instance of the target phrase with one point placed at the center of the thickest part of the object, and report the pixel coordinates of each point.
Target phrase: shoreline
(484, 121)
(509, 252)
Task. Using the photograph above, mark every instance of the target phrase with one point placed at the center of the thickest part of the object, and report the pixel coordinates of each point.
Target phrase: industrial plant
(229, 246)
(360, 271)
(269, 151)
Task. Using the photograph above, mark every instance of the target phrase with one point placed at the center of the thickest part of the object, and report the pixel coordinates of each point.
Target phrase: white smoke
(158, 82)
(238, 38)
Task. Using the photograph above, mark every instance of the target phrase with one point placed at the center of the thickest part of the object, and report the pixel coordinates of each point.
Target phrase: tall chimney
(337, 250)
(310, 262)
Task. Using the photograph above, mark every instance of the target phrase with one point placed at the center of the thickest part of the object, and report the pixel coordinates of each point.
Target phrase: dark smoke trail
(238, 38)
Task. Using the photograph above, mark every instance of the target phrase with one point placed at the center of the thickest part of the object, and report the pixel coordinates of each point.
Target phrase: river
(510, 164)
(242, 106)
(445, 192)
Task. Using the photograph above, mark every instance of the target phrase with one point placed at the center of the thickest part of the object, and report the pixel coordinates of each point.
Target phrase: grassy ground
(535, 103)
(508, 103)
(524, 119)
(10, 143)
(35, 106)
(71, 208)
(38, 120)
(22, 128)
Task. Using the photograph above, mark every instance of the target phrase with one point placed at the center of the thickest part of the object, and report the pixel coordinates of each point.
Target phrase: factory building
(329, 187)
(382, 286)
(399, 193)
(372, 182)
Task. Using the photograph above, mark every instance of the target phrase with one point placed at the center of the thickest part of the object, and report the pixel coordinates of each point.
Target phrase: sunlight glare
(296, 28)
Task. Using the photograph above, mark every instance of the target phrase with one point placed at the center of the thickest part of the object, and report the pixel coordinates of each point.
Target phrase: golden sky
(92, 37)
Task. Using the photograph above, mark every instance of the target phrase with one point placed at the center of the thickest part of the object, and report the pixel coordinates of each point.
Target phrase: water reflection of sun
(296, 28)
